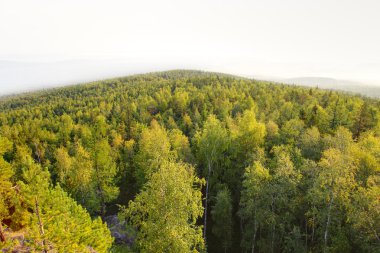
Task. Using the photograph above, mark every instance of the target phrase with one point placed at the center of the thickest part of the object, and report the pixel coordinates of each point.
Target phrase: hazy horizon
(52, 43)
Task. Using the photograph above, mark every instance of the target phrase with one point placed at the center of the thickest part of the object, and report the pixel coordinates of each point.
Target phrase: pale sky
(51, 42)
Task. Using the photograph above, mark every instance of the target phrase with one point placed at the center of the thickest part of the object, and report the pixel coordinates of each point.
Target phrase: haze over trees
(191, 162)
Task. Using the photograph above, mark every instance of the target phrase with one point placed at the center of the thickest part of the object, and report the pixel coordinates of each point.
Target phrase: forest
(189, 161)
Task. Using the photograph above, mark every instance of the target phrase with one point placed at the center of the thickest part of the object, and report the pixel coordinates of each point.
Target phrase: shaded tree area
(192, 162)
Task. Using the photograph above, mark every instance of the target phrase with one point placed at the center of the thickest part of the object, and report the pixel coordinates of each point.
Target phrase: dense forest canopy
(191, 162)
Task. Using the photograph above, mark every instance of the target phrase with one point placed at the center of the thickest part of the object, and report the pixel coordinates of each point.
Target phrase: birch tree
(211, 143)
(254, 203)
(166, 211)
(332, 191)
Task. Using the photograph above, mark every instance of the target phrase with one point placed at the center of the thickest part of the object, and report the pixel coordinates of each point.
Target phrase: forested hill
(191, 162)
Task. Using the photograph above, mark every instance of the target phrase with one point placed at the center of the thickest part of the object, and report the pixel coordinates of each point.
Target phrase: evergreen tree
(57, 222)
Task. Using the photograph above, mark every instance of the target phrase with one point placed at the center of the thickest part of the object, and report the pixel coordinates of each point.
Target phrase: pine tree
(55, 221)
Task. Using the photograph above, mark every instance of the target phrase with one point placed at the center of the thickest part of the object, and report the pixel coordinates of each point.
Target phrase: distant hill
(335, 84)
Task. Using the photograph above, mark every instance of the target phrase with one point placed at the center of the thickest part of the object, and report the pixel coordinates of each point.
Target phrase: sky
(46, 43)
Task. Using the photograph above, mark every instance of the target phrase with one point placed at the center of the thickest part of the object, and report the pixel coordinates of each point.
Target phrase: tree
(318, 117)
(211, 143)
(57, 222)
(332, 190)
(180, 145)
(254, 203)
(310, 144)
(365, 215)
(180, 101)
(283, 191)
(291, 131)
(154, 147)
(272, 136)
(63, 164)
(66, 127)
(340, 114)
(105, 173)
(6, 173)
(365, 154)
(166, 211)
(76, 175)
(250, 136)
(100, 127)
(364, 120)
(111, 136)
(222, 216)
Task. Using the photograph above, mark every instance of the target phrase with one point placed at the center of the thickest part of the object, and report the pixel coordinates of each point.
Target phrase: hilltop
(189, 161)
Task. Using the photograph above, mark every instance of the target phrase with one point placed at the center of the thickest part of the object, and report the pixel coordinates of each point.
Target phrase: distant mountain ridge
(334, 84)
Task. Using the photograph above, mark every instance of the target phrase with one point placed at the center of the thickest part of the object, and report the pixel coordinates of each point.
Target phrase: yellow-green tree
(104, 176)
(365, 215)
(331, 193)
(6, 190)
(166, 211)
(254, 203)
(250, 135)
(211, 143)
(154, 147)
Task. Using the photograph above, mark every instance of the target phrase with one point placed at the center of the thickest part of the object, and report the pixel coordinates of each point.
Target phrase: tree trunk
(254, 234)
(102, 202)
(306, 234)
(273, 226)
(272, 241)
(313, 231)
(100, 190)
(205, 214)
(376, 235)
(2, 236)
(41, 226)
(328, 224)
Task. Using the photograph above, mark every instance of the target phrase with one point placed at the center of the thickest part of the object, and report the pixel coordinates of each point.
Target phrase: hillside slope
(190, 161)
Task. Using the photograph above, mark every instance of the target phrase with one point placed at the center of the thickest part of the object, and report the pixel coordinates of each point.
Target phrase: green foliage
(104, 175)
(154, 147)
(222, 217)
(211, 142)
(301, 165)
(332, 191)
(6, 173)
(365, 214)
(249, 136)
(51, 219)
(166, 211)
(311, 144)
(67, 226)
(254, 203)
